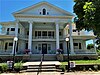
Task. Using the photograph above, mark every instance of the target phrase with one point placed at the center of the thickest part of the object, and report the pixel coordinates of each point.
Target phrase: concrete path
(54, 73)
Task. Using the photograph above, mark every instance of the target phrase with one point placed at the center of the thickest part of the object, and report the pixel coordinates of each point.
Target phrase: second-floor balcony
(83, 33)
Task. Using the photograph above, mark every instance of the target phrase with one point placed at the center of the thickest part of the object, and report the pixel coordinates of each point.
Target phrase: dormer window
(44, 11)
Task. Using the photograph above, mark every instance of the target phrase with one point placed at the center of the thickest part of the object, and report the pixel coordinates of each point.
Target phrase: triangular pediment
(38, 8)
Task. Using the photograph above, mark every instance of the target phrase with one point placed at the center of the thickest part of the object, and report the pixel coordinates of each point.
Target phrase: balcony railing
(5, 52)
(44, 37)
(83, 33)
(91, 51)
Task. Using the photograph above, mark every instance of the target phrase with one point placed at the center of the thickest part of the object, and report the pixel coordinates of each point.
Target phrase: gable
(44, 7)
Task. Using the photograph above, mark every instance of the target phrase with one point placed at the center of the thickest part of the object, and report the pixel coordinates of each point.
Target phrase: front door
(44, 48)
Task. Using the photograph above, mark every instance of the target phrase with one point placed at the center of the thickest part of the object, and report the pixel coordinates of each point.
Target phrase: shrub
(63, 67)
(18, 66)
(4, 67)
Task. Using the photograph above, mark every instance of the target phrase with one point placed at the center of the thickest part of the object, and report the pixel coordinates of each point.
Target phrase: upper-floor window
(12, 29)
(44, 11)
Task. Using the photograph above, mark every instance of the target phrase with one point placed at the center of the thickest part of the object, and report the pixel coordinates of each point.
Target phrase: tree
(88, 16)
(90, 46)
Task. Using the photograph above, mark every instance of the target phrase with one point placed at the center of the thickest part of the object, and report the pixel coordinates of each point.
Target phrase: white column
(94, 46)
(13, 48)
(16, 28)
(71, 39)
(57, 35)
(16, 34)
(30, 37)
(64, 43)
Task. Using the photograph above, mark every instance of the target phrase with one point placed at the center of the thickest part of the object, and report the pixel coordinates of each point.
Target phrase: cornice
(42, 16)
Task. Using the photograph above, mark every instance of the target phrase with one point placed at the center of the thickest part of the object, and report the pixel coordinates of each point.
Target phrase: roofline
(9, 22)
(34, 5)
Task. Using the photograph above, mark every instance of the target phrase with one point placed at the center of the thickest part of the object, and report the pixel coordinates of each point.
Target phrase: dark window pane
(44, 11)
(39, 33)
(35, 33)
(80, 46)
(75, 44)
(18, 30)
(12, 29)
(10, 44)
(44, 33)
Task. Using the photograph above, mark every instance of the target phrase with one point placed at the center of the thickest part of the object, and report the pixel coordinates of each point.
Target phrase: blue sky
(7, 7)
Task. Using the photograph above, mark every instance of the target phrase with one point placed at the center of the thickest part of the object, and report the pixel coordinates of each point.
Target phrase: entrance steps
(45, 66)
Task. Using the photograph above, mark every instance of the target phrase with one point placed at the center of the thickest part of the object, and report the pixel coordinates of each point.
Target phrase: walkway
(54, 73)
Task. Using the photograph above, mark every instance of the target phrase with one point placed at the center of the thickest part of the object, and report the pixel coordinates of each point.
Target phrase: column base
(73, 53)
(30, 53)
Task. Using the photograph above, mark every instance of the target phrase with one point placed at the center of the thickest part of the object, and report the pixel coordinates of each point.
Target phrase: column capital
(57, 21)
(17, 20)
(30, 21)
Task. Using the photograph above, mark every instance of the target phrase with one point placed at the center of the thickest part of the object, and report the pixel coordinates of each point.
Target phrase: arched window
(44, 11)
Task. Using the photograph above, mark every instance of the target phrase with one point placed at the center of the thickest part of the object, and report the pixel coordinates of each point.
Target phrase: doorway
(44, 48)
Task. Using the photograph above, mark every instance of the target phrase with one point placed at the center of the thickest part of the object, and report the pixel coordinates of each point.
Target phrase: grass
(84, 62)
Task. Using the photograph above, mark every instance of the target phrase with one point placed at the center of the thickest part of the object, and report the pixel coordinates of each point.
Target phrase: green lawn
(84, 62)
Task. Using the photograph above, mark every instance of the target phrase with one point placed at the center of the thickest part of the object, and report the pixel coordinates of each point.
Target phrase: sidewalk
(55, 73)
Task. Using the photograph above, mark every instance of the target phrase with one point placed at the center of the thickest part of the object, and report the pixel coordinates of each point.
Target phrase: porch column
(30, 37)
(94, 46)
(57, 35)
(64, 43)
(16, 34)
(71, 39)
(16, 28)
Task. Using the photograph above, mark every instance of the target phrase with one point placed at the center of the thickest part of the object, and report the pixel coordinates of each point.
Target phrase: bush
(63, 67)
(18, 66)
(4, 67)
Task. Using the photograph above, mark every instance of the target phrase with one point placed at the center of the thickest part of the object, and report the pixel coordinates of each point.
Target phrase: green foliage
(62, 67)
(88, 16)
(90, 46)
(4, 67)
(18, 65)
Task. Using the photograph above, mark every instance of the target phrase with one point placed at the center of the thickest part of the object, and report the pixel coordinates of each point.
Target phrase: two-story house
(42, 29)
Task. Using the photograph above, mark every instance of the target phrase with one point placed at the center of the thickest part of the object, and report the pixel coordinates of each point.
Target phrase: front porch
(47, 57)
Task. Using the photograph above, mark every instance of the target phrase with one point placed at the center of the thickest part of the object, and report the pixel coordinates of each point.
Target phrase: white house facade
(42, 29)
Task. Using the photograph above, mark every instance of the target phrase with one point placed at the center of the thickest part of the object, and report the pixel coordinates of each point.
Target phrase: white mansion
(43, 28)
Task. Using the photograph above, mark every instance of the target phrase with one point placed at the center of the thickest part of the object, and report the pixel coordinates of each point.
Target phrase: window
(35, 33)
(10, 44)
(27, 32)
(26, 47)
(75, 44)
(49, 46)
(61, 46)
(18, 30)
(47, 13)
(39, 33)
(44, 33)
(60, 33)
(6, 44)
(51, 33)
(12, 29)
(39, 47)
(44, 11)
(7, 29)
(40, 12)
(80, 46)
